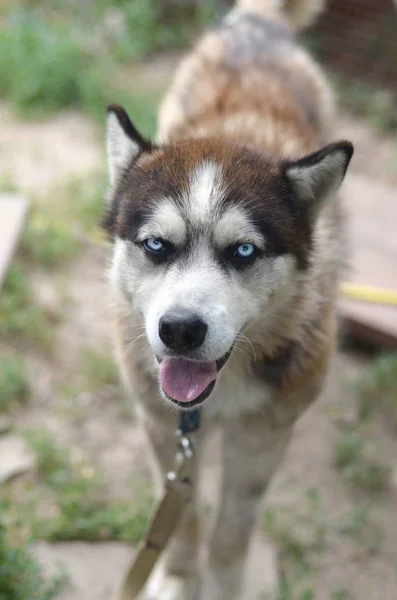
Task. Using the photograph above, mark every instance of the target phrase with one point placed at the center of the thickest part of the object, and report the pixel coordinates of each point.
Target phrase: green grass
(84, 518)
(21, 577)
(356, 453)
(375, 105)
(14, 385)
(55, 231)
(131, 29)
(287, 591)
(19, 314)
(98, 368)
(153, 27)
(7, 183)
(305, 531)
(84, 201)
(51, 458)
(340, 594)
(377, 389)
(300, 537)
(48, 242)
(43, 67)
(361, 526)
(296, 552)
(83, 509)
(357, 460)
(48, 65)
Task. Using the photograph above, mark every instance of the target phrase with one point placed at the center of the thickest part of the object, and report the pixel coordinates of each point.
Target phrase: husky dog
(227, 249)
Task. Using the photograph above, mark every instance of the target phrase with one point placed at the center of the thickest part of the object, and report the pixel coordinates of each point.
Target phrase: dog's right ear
(123, 142)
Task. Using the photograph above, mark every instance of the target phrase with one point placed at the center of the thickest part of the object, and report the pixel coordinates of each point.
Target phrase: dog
(228, 246)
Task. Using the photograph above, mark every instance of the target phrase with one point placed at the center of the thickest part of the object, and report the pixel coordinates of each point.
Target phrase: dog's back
(250, 80)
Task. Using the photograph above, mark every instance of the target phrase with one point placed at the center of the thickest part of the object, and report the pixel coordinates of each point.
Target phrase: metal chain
(182, 470)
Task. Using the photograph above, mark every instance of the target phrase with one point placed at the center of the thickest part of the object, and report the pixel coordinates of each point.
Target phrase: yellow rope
(367, 293)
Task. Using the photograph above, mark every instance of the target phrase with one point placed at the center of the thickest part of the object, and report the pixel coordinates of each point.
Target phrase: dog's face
(209, 237)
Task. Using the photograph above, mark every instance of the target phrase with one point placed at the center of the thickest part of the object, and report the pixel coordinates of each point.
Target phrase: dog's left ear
(317, 177)
(123, 141)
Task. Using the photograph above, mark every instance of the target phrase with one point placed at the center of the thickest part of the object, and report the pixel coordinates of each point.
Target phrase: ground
(330, 511)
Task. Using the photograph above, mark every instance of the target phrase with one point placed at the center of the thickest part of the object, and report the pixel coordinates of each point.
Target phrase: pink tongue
(184, 380)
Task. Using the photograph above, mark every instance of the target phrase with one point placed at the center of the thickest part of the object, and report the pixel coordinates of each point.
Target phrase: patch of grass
(48, 242)
(19, 316)
(84, 201)
(287, 591)
(56, 230)
(7, 183)
(21, 577)
(49, 64)
(293, 549)
(13, 381)
(340, 594)
(356, 459)
(300, 538)
(51, 458)
(43, 67)
(375, 105)
(146, 27)
(98, 368)
(83, 509)
(378, 389)
(299, 535)
(83, 518)
(360, 526)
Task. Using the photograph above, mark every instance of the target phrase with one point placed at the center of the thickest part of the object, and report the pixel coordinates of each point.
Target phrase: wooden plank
(371, 208)
(13, 210)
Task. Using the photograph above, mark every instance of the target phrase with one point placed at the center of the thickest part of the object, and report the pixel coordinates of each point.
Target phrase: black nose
(182, 330)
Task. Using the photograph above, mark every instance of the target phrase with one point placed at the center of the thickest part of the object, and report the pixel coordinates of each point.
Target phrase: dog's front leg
(251, 454)
(176, 576)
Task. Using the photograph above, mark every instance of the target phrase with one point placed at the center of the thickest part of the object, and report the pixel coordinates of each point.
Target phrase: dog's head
(208, 237)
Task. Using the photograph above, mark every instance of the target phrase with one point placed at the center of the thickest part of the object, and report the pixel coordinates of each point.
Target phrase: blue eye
(245, 251)
(154, 245)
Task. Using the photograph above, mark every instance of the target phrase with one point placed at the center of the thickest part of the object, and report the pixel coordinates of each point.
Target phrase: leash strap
(168, 514)
(178, 493)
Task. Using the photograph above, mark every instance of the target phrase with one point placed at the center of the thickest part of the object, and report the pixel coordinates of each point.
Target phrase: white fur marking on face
(120, 148)
(165, 222)
(205, 191)
(118, 264)
(235, 226)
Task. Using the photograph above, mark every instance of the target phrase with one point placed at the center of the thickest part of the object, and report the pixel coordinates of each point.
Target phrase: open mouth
(186, 382)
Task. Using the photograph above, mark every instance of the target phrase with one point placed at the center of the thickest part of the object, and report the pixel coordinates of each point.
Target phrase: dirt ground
(39, 155)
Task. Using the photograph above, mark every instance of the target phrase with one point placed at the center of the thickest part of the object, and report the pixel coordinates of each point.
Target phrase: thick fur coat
(227, 249)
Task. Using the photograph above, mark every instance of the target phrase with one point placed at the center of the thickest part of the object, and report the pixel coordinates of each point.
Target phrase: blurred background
(74, 486)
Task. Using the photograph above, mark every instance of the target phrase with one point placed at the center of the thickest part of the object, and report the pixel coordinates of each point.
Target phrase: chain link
(183, 459)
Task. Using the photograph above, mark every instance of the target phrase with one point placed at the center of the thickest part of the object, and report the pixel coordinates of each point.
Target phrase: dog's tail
(298, 13)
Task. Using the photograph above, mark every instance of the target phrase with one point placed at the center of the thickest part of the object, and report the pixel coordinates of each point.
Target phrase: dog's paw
(173, 588)
(170, 587)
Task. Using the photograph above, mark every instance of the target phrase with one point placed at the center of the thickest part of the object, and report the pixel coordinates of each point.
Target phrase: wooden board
(13, 211)
(371, 209)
